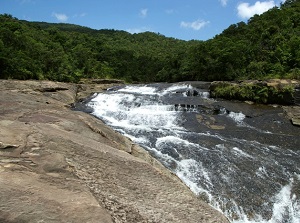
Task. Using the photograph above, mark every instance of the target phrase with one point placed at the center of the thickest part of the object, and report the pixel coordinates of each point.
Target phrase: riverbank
(60, 165)
(285, 93)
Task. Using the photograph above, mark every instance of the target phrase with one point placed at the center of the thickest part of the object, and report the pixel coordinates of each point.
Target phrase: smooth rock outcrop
(59, 165)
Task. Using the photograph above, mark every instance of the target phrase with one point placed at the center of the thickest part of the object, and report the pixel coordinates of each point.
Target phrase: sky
(180, 19)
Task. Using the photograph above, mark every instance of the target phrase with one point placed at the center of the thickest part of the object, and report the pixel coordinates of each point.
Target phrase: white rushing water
(286, 208)
(219, 168)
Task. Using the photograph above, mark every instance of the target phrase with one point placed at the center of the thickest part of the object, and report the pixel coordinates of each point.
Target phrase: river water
(244, 160)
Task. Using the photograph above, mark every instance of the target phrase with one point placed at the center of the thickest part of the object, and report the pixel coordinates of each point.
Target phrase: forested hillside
(267, 46)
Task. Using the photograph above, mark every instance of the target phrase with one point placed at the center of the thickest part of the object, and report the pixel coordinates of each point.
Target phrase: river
(243, 159)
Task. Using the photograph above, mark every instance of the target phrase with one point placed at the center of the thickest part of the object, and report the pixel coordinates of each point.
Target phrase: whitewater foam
(175, 140)
(177, 87)
(237, 117)
(188, 170)
(241, 152)
(144, 90)
(262, 172)
(286, 208)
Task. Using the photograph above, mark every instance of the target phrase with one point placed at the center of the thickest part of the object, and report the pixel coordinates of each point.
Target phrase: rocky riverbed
(60, 165)
(241, 157)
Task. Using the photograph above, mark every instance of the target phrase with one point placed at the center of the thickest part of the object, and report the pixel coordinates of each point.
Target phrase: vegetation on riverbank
(266, 92)
(267, 46)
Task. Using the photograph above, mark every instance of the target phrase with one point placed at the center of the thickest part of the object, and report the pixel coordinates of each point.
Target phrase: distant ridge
(267, 47)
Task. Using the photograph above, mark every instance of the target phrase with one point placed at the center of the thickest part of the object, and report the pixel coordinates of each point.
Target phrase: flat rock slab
(296, 121)
(59, 165)
(293, 113)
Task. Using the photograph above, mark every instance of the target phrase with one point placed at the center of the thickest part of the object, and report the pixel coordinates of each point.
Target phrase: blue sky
(181, 19)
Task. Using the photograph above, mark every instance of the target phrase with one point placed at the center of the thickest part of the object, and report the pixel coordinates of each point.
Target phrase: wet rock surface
(60, 165)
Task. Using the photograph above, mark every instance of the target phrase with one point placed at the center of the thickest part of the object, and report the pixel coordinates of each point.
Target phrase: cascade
(249, 169)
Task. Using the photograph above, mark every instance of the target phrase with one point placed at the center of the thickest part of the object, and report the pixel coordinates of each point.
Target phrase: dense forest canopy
(267, 46)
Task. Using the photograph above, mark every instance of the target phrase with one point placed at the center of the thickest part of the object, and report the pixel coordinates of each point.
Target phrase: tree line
(267, 46)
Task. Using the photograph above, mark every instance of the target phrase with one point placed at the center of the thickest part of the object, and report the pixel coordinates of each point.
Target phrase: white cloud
(196, 25)
(60, 17)
(139, 30)
(223, 2)
(245, 10)
(143, 13)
